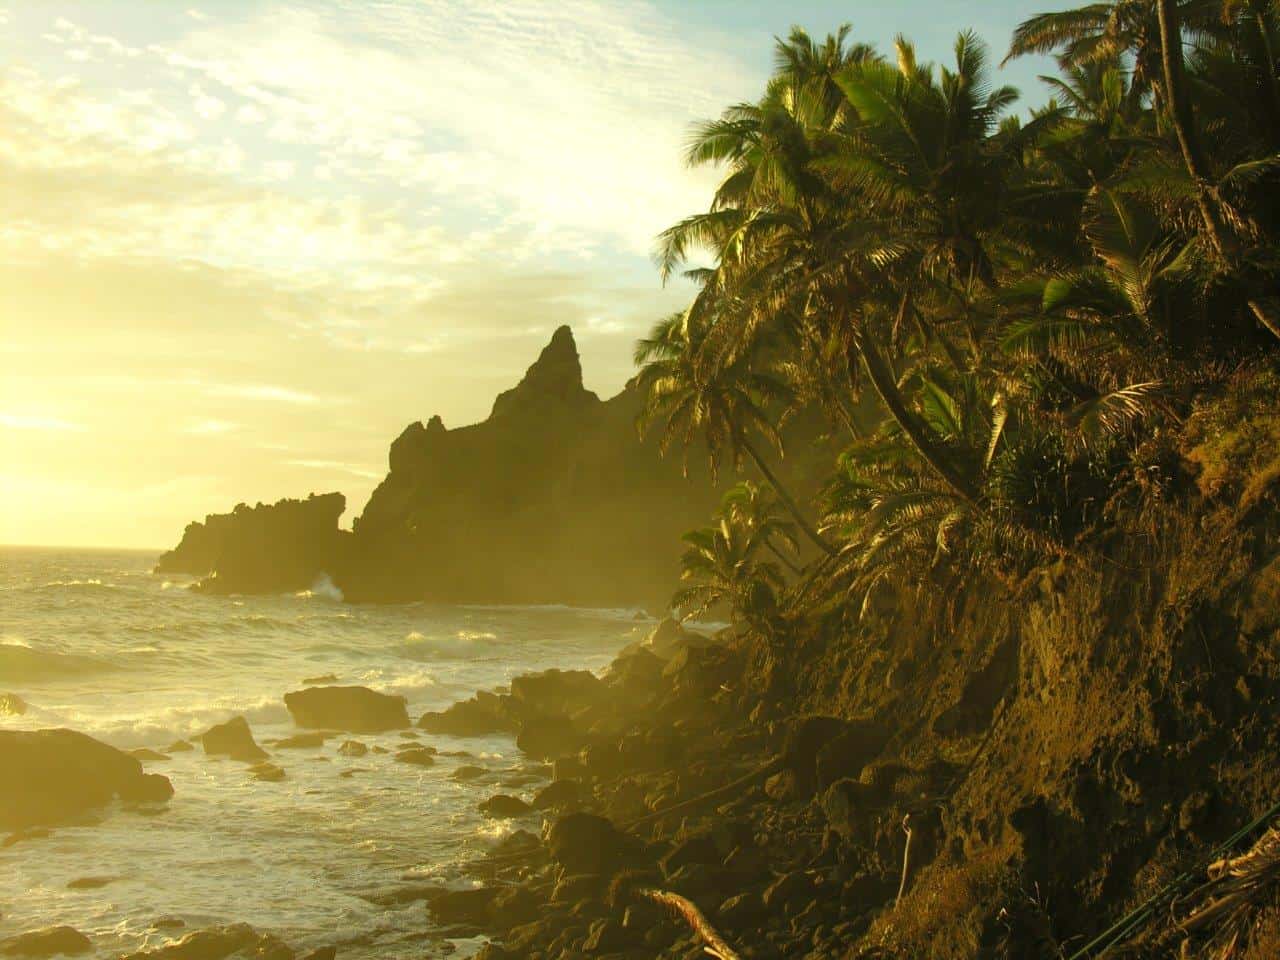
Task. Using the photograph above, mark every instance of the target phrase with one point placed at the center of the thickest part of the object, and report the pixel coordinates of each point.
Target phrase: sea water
(138, 660)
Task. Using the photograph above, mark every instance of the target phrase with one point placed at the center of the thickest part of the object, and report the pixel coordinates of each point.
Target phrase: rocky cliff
(269, 548)
(553, 498)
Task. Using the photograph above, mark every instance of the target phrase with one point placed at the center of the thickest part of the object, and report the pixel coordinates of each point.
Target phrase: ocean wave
(22, 663)
(323, 588)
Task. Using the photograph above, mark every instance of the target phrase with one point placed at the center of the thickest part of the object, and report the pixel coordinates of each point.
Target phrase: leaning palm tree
(719, 566)
(719, 404)
(755, 510)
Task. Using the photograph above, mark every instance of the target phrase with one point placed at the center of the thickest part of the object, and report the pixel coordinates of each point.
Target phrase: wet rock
(399, 896)
(467, 772)
(518, 842)
(788, 889)
(179, 746)
(849, 751)
(605, 936)
(586, 843)
(503, 806)
(323, 953)
(558, 793)
(700, 849)
(742, 910)
(218, 943)
(267, 772)
(12, 705)
(232, 739)
(89, 883)
(50, 776)
(546, 736)
(568, 768)
(579, 887)
(148, 756)
(805, 740)
(463, 906)
(847, 804)
(30, 833)
(418, 756)
(558, 691)
(301, 741)
(514, 906)
(351, 709)
(46, 942)
(168, 923)
(353, 748)
(480, 716)
(669, 637)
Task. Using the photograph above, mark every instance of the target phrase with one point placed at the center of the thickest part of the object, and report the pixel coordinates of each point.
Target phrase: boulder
(352, 709)
(267, 772)
(669, 637)
(549, 735)
(352, 748)
(148, 756)
(218, 943)
(232, 739)
(463, 906)
(418, 756)
(481, 716)
(558, 691)
(47, 942)
(805, 740)
(503, 806)
(558, 793)
(847, 804)
(586, 843)
(845, 754)
(50, 776)
(179, 746)
(700, 849)
(301, 741)
(12, 705)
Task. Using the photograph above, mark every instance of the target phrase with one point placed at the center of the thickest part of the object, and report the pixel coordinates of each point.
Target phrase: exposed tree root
(714, 944)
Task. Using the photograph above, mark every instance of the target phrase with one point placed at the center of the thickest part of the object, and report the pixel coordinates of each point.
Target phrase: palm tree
(1208, 201)
(755, 510)
(719, 566)
(721, 404)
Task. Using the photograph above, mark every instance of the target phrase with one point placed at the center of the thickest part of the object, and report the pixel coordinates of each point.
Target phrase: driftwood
(1235, 886)
(712, 943)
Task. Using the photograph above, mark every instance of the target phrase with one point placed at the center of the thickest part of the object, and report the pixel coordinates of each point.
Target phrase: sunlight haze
(243, 244)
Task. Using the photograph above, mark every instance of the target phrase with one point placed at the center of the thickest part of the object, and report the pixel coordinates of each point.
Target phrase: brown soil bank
(987, 770)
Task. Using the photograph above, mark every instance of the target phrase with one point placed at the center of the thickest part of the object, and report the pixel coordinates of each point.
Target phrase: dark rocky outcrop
(270, 548)
(232, 739)
(52, 776)
(351, 709)
(554, 497)
(218, 943)
(48, 942)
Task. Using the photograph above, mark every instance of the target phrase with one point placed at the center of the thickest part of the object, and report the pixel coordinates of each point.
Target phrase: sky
(243, 243)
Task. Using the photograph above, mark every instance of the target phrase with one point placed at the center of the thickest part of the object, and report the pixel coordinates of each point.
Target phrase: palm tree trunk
(1192, 154)
(887, 387)
(785, 497)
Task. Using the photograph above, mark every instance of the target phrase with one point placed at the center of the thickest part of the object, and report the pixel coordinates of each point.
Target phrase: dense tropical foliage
(1033, 301)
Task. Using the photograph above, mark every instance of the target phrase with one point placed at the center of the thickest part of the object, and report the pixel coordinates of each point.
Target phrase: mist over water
(94, 642)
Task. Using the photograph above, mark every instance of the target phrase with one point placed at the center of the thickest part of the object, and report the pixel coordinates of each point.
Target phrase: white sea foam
(322, 588)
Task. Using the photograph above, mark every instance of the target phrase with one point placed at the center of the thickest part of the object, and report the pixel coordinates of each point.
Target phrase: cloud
(209, 427)
(18, 421)
(269, 392)
(334, 466)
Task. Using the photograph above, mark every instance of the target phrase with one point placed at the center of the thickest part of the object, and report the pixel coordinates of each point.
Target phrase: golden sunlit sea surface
(137, 660)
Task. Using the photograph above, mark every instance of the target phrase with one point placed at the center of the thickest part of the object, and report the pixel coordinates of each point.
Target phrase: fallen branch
(906, 859)
(713, 944)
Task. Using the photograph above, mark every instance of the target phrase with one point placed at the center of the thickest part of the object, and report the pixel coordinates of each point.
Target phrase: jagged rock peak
(555, 375)
(435, 424)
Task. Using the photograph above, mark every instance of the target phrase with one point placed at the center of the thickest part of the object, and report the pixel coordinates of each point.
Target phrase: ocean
(137, 660)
